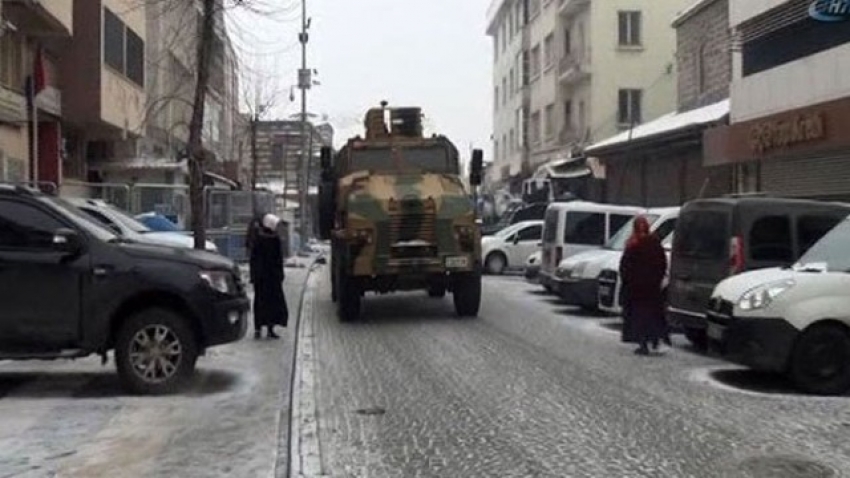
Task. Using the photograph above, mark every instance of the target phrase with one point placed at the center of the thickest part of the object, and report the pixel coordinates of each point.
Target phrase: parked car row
(71, 286)
(763, 281)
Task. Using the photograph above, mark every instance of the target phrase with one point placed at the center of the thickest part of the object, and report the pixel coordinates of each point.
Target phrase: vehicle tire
(820, 360)
(437, 291)
(467, 294)
(155, 352)
(496, 263)
(697, 338)
(348, 299)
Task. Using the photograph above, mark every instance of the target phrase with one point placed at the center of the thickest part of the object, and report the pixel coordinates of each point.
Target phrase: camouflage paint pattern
(385, 212)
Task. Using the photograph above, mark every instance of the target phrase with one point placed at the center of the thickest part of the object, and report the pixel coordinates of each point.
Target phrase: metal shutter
(816, 177)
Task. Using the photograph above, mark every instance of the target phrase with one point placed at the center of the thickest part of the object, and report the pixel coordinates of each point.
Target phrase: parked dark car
(70, 288)
(721, 237)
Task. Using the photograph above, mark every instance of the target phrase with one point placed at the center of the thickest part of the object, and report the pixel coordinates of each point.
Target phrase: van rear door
(700, 259)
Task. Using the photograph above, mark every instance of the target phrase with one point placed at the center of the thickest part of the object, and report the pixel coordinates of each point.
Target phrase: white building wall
(818, 78)
(544, 86)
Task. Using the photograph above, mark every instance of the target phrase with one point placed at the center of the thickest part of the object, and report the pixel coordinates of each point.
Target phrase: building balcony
(572, 68)
(41, 18)
(569, 8)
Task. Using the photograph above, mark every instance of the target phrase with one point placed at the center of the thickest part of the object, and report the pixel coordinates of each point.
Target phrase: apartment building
(593, 68)
(790, 100)
(279, 145)
(32, 37)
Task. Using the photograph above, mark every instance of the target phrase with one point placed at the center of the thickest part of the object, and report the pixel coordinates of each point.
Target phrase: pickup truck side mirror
(67, 241)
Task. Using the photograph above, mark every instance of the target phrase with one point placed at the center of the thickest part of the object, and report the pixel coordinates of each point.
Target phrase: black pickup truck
(70, 288)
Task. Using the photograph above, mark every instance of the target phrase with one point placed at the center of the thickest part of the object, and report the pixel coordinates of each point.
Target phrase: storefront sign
(770, 135)
(830, 10)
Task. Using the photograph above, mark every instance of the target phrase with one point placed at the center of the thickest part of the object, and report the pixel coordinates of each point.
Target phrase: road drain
(371, 411)
(782, 467)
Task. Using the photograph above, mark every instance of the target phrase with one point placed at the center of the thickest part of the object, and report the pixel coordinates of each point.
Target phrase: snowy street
(531, 388)
(71, 419)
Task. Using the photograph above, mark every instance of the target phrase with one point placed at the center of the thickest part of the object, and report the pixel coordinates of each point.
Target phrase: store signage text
(830, 10)
(770, 135)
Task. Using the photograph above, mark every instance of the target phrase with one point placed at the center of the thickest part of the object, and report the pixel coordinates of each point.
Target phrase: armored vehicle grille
(412, 227)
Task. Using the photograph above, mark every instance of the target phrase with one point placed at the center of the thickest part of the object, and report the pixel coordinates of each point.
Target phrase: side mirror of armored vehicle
(477, 167)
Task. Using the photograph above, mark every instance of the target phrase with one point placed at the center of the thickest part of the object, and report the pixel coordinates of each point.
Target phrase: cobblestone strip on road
(304, 435)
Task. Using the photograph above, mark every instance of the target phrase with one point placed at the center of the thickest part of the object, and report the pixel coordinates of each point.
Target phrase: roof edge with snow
(690, 11)
(665, 125)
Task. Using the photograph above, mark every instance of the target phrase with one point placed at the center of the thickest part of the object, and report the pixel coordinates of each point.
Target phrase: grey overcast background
(429, 53)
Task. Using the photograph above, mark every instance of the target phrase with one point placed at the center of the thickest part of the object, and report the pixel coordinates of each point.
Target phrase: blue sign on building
(830, 10)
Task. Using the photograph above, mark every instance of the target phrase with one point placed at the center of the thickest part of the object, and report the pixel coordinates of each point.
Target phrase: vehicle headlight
(219, 280)
(578, 270)
(761, 296)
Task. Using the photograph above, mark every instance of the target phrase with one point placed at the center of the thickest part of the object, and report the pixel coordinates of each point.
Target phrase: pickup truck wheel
(467, 294)
(155, 352)
(348, 299)
(820, 361)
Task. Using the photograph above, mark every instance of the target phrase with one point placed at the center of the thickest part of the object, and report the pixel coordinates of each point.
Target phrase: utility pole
(304, 81)
(255, 119)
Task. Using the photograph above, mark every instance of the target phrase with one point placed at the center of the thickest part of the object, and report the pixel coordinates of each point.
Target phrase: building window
(701, 68)
(533, 9)
(582, 119)
(519, 15)
(512, 138)
(504, 90)
(504, 147)
(568, 114)
(496, 150)
(550, 121)
(123, 50)
(629, 109)
(629, 28)
(513, 82)
(549, 50)
(568, 42)
(12, 58)
(535, 62)
(535, 128)
(526, 68)
(496, 99)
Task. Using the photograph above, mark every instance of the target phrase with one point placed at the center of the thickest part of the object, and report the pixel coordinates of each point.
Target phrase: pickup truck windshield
(430, 159)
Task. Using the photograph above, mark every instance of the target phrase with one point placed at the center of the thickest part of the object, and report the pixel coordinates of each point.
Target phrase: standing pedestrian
(266, 262)
(642, 268)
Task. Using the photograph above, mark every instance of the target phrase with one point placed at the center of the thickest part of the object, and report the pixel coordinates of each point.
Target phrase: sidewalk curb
(299, 412)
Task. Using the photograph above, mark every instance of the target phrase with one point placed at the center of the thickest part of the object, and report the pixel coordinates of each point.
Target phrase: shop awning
(665, 125)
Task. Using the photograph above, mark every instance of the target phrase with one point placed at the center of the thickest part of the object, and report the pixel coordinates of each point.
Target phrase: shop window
(770, 239)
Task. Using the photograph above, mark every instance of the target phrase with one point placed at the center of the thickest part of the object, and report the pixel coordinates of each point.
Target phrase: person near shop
(642, 269)
(266, 264)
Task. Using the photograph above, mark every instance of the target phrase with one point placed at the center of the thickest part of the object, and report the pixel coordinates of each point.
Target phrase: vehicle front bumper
(227, 321)
(685, 319)
(582, 292)
(759, 343)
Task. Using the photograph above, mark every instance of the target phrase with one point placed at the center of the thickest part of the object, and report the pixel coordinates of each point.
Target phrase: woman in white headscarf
(266, 260)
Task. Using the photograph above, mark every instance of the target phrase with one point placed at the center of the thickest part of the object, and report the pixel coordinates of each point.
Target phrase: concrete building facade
(594, 68)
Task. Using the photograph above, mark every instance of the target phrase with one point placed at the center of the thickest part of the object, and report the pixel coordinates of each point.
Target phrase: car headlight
(761, 296)
(219, 280)
(578, 270)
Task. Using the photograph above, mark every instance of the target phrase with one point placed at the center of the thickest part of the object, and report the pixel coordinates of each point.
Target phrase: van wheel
(496, 263)
(697, 338)
(820, 361)
(155, 352)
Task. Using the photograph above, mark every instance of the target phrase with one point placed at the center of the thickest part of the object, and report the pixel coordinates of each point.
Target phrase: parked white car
(792, 320)
(578, 276)
(128, 227)
(510, 247)
(609, 292)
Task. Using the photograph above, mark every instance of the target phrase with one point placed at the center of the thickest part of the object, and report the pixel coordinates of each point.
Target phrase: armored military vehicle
(399, 216)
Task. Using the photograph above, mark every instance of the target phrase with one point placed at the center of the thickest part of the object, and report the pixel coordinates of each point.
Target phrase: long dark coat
(642, 269)
(266, 261)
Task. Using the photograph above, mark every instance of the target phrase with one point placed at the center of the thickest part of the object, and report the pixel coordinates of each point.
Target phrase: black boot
(271, 333)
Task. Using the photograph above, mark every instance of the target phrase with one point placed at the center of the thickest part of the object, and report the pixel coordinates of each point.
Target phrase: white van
(578, 277)
(793, 320)
(577, 226)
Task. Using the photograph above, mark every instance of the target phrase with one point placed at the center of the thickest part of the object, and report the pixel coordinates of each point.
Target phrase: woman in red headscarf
(642, 269)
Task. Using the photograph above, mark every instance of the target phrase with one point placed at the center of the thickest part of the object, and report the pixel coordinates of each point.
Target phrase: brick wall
(704, 42)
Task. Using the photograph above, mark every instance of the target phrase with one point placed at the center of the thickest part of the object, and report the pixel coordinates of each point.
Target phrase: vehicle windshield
(833, 250)
(432, 159)
(508, 231)
(81, 219)
(618, 242)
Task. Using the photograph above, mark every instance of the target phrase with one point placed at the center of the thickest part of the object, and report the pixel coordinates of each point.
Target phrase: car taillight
(736, 255)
